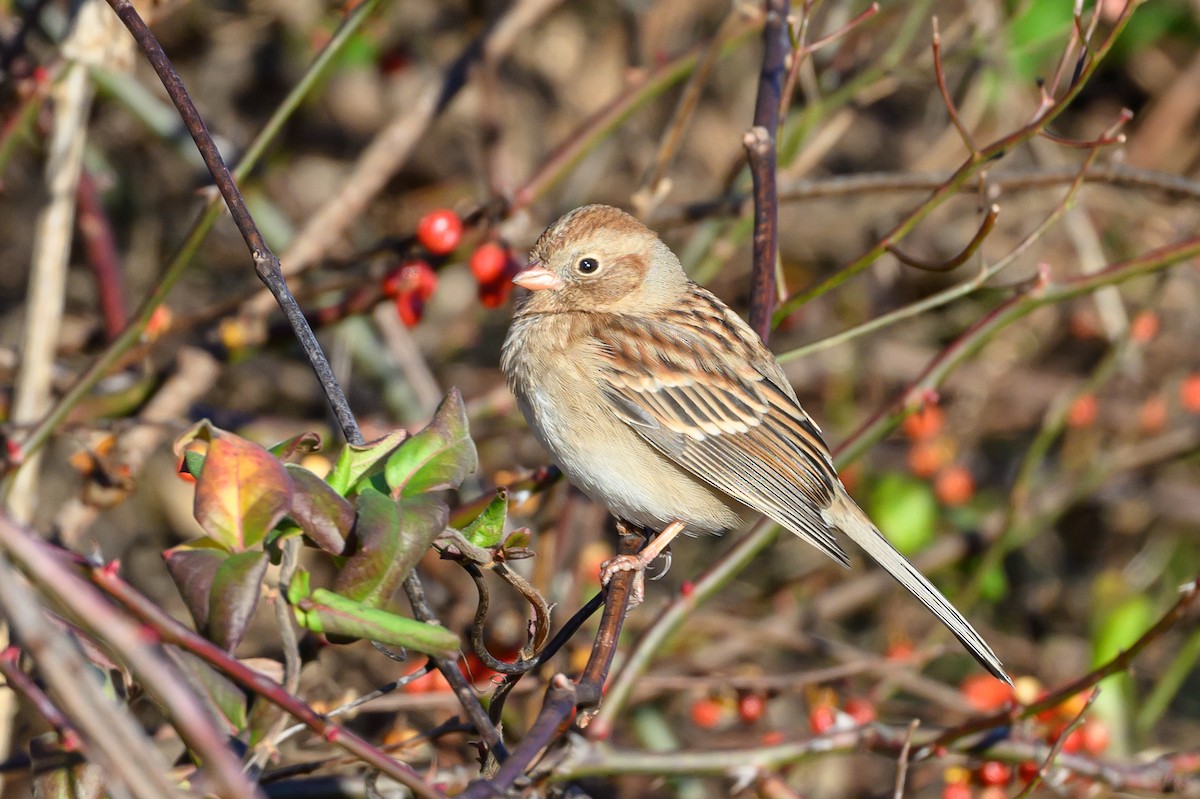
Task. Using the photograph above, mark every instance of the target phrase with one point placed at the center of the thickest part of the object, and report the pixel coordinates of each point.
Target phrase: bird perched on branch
(661, 404)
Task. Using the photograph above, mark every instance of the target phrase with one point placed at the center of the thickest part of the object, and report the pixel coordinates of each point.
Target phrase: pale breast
(555, 376)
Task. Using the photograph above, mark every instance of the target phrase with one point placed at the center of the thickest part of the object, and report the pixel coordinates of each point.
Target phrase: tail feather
(846, 516)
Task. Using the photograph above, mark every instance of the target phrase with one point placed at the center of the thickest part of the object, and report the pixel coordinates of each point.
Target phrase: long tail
(846, 516)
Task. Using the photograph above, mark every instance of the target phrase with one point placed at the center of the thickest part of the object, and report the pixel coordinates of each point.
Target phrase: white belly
(613, 465)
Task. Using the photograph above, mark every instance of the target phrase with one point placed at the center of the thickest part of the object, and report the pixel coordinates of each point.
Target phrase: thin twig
(970, 167)
(182, 258)
(985, 227)
(1169, 774)
(1056, 747)
(870, 183)
(902, 760)
(24, 685)
(597, 127)
(654, 186)
(269, 271)
(564, 696)
(266, 263)
(103, 257)
(939, 74)
(760, 154)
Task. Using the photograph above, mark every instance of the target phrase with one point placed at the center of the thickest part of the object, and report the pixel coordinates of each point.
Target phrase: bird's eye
(587, 266)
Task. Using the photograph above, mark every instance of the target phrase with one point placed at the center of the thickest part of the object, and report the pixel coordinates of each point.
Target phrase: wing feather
(735, 427)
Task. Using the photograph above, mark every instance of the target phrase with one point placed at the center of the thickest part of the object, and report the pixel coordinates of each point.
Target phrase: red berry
(956, 790)
(423, 277)
(159, 323)
(706, 713)
(495, 294)
(1083, 411)
(1095, 737)
(488, 262)
(413, 277)
(1189, 393)
(928, 456)
(410, 307)
(925, 423)
(751, 707)
(1144, 327)
(1152, 416)
(440, 231)
(861, 710)
(391, 285)
(1028, 770)
(821, 719)
(954, 486)
(985, 693)
(901, 651)
(994, 772)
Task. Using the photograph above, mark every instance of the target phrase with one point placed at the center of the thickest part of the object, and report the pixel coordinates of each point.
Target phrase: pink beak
(536, 277)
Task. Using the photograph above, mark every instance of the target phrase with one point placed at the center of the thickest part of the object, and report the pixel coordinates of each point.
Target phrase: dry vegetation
(990, 303)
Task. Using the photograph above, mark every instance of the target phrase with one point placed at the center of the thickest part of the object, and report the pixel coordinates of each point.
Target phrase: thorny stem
(172, 632)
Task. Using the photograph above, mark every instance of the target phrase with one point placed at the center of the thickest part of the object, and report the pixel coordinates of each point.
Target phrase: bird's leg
(638, 563)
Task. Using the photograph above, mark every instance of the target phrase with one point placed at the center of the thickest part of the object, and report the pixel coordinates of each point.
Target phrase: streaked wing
(721, 418)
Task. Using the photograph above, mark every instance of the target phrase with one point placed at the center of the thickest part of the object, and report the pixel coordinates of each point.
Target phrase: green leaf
(905, 510)
(1119, 621)
(322, 513)
(331, 614)
(438, 457)
(242, 490)
(357, 461)
(299, 587)
(235, 590)
(487, 530)
(1037, 35)
(993, 584)
(296, 447)
(1120, 627)
(389, 540)
(193, 463)
(224, 695)
(192, 567)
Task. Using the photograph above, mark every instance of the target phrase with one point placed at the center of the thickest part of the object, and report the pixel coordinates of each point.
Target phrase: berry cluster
(439, 233)
(986, 695)
(932, 454)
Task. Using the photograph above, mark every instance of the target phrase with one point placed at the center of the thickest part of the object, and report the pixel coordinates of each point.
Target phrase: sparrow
(660, 403)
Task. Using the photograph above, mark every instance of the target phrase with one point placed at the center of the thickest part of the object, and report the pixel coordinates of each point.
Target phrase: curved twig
(519, 666)
(985, 227)
(564, 696)
(940, 75)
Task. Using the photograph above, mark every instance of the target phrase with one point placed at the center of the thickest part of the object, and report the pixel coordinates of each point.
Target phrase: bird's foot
(638, 563)
(627, 563)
